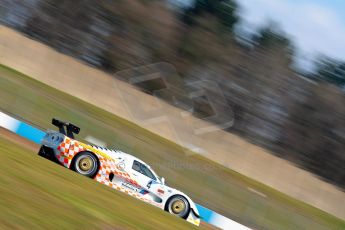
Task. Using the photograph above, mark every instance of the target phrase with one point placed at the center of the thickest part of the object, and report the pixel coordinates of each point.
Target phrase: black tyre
(178, 206)
(86, 163)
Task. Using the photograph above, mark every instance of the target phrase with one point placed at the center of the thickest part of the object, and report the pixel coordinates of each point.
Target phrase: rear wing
(66, 128)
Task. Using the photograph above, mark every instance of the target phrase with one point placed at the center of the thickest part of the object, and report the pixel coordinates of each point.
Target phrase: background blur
(291, 105)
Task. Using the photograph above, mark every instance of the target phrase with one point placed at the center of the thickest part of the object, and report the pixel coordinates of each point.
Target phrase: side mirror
(163, 180)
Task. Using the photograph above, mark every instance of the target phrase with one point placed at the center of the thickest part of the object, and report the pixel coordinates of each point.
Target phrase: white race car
(116, 169)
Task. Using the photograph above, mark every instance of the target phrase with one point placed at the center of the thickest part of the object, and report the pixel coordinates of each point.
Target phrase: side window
(139, 167)
(147, 172)
(136, 166)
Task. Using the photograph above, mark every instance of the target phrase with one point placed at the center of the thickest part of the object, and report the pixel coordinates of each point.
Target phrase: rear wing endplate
(66, 128)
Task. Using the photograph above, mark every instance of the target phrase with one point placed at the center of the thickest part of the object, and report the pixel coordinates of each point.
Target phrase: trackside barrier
(21, 128)
(218, 220)
(36, 135)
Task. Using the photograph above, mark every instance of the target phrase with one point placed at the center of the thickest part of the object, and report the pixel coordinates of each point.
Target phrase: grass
(208, 183)
(38, 194)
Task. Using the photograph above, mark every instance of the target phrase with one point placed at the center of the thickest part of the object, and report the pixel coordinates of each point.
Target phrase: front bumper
(193, 218)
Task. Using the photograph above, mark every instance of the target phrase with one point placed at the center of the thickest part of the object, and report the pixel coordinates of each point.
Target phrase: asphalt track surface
(18, 140)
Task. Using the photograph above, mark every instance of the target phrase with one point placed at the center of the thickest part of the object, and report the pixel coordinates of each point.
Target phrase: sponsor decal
(92, 149)
(144, 192)
(131, 187)
(121, 166)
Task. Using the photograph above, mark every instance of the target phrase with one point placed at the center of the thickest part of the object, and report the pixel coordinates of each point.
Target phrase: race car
(116, 169)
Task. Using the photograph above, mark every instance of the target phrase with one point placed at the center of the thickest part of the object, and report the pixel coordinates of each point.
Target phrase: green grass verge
(208, 183)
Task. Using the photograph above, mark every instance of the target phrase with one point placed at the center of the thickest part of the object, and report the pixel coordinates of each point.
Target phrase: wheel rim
(85, 164)
(178, 206)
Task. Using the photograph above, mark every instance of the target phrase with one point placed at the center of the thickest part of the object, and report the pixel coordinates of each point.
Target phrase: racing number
(149, 184)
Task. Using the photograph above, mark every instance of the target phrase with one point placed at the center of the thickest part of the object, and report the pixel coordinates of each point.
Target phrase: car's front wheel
(86, 163)
(178, 206)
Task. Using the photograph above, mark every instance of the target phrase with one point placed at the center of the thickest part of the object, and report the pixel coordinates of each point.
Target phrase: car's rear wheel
(178, 206)
(86, 163)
